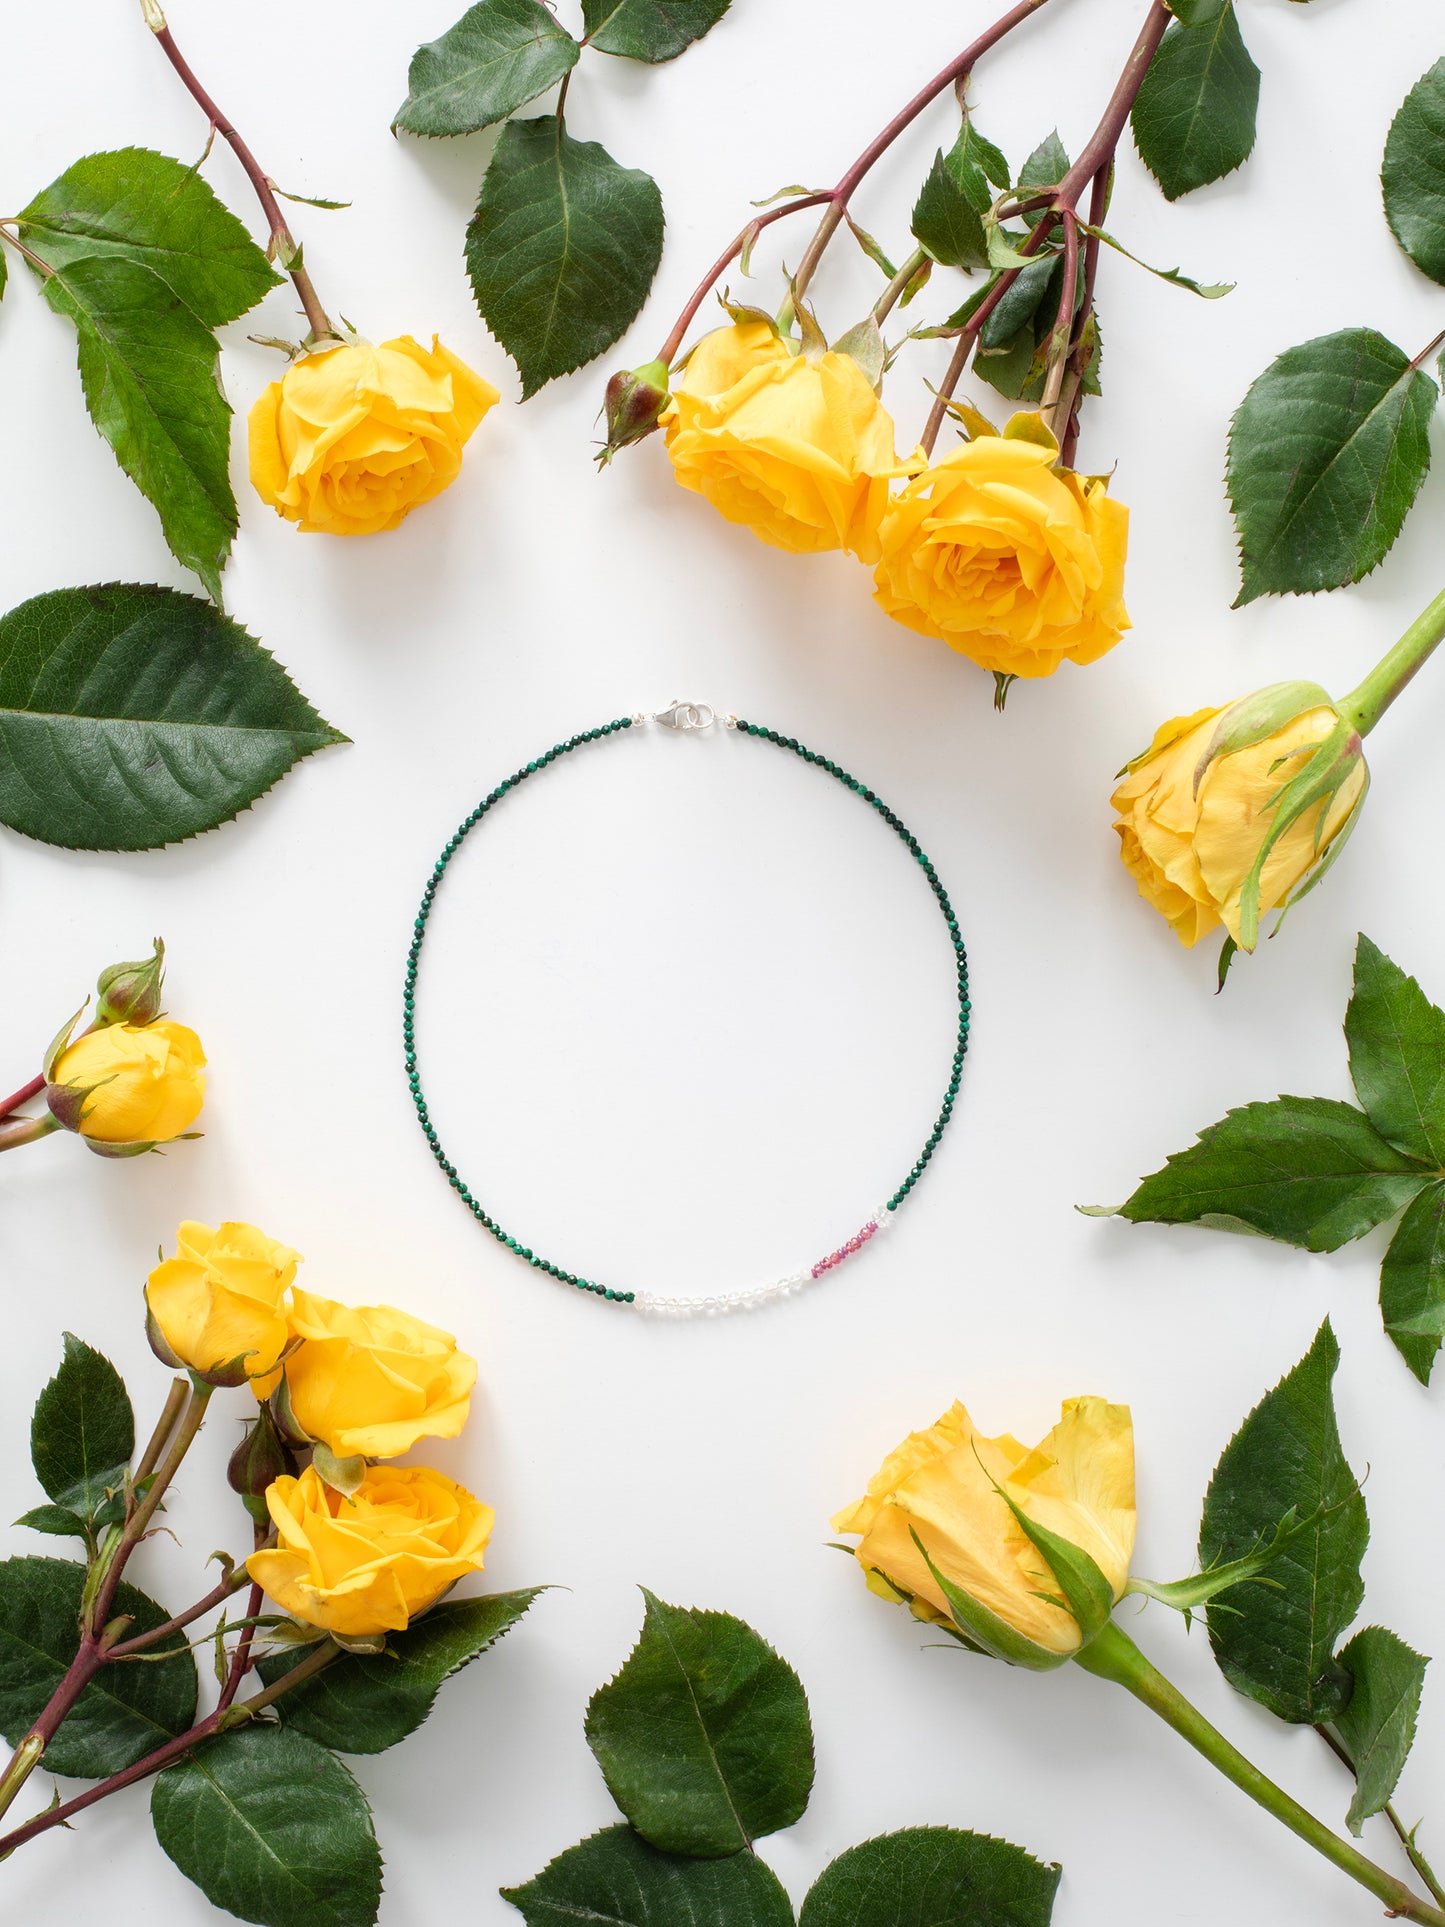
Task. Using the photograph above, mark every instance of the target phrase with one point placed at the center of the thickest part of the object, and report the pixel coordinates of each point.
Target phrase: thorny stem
(1063, 336)
(241, 1657)
(217, 1596)
(173, 1750)
(1404, 1834)
(283, 243)
(836, 199)
(968, 334)
(1079, 360)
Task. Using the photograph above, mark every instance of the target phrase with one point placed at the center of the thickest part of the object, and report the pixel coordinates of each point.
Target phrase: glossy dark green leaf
(1377, 1727)
(57, 1521)
(650, 30)
(1412, 1283)
(128, 1711)
(1397, 1055)
(82, 1432)
(1276, 1643)
(144, 208)
(1194, 13)
(364, 1705)
(272, 1828)
(1194, 119)
(933, 1877)
(1045, 167)
(616, 1880)
(948, 220)
(562, 248)
(499, 55)
(1309, 1171)
(703, 1737)
(1413, 175)
(1327, 452)
(133, 716)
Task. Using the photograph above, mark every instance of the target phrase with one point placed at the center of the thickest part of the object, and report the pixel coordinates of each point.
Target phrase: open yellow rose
(222, 1298)
(947, 1485)
(1193, 824)
(352, 439)
(798, 451)
(369, 1563)
(1014, 562)
(129, 1084)
(371, 1380)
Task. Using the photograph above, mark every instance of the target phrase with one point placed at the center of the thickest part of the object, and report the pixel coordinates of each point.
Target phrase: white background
(687, 1011)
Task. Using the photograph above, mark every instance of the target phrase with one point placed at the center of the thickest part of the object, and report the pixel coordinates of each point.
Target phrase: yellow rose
(371, 1562)
(945, 1484)
(352, 439)
(129, 1084)
(1015, 563)
(372, 1380)
(1194, 814)
(798, 451)
(221, 1298)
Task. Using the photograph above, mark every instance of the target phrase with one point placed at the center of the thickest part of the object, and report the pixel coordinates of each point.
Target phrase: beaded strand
(687, 717)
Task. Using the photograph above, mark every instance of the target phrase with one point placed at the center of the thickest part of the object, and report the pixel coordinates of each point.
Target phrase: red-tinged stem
(23, 1095)
(241, 1657)
(968, 334)
(837, 197)
(1079, 361)
(217, 1596)
(283, 243)
(1063, 335)
(168, 1754)
(15, 1131)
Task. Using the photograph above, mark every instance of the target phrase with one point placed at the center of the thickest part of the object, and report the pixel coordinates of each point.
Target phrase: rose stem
(173, 1750)
(1079, 360)
(23, 1095)
(1114, 1656)
(898, 286)
(241, 1657)
(1063, 336)
(1406, 1838)
(283, 244)
(16, 1131)
(217, 1596)
(165, 1425)
(1366, 705)
(837, 197)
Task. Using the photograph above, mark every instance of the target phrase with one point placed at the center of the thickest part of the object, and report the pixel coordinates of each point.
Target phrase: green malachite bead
(608, 1292)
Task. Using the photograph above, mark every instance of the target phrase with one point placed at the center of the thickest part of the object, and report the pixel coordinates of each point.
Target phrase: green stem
(1366, 705)
(898, 286)
(23, 1762)
(1114, 1656)
(15, 1131)
(1405, 1836)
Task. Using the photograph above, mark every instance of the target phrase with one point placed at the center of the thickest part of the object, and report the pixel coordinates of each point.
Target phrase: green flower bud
(635, 398)
(261, 1458)
(130, 993)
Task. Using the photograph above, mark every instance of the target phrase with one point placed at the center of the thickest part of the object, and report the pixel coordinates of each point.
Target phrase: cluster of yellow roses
(363, 1550)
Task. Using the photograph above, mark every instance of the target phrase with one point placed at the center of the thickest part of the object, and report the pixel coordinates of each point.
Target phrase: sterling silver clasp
(679, 715)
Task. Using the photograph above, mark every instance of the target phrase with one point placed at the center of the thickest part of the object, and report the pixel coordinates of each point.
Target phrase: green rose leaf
(150, 372)
(55, 1520)
(364, 1705)
(1397, 1055)
(1377, 1727)
(144, 208)
(562, 248)
(1045, 167)
(1276, 1643)
(126, 1712)
(1327, 452)
(83, 1430)
(133, 716)
(703, 1737)
(1194, 119)
(1413, 175)
(499, 55)
(948, 220)
(616, 1878)
(650, 30)
(1412, 1283)
(272, 1828)
(1309, 1171)
(1195, 13)
(933, 1877)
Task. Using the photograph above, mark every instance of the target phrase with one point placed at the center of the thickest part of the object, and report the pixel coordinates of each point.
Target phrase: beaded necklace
(686, 717)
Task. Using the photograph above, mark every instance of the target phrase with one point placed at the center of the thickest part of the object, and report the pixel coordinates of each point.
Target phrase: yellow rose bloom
(1077, 1483)
(1015, 563)
(1191, 831)
(139, 1083)
(352, 439)
(223, 1297)
(372, 1380)
(371, 1562)
(798, 451)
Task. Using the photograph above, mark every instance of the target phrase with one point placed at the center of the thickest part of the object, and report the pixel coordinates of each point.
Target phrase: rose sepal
(287, 1423)
(363, 1645)
(1324, 774)
(67, 1102)
(1256, 716)
(984, 1631)
(130, 993)
(1028, 425)
(342, 1475)
(1083, 1592)
(863, 343)
(160, 1345)
(59, 1043)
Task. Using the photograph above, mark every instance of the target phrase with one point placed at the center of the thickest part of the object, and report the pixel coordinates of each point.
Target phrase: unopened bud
(130, 993)
(258, 1461)
(635, 398)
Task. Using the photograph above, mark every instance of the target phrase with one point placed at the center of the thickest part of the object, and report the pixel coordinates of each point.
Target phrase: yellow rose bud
(945, 1485)
(129, 1084)
(370, 1380)
(222, 1298)
(800, 451)
(369, 1563)
(1193, 825)
(1017, 564)
(352, 439)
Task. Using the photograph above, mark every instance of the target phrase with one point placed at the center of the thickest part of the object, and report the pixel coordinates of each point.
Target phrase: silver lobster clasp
(681, 715)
